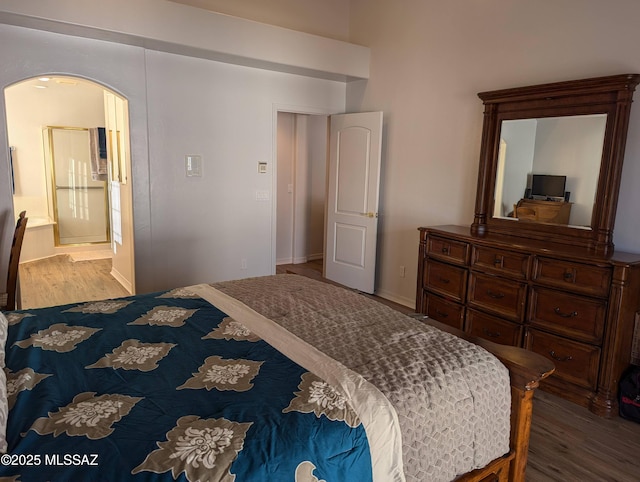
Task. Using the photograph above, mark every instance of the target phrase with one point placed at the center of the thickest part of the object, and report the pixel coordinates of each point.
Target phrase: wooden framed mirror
(551, 160)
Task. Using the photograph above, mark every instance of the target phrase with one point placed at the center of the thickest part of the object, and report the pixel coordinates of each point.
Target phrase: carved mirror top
(551, 159)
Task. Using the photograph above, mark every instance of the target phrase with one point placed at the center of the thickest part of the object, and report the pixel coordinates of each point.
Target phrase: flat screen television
(545, 185)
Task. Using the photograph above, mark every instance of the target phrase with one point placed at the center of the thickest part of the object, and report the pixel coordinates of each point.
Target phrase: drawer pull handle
(497, 261)
(568, 276)
(492, 334)
(445, 250)
(444, 280)
(494, 295)
(560, 358)
(441, 313)
(565, 315)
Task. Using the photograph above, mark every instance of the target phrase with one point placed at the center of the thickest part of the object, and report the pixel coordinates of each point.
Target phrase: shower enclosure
(78, 194)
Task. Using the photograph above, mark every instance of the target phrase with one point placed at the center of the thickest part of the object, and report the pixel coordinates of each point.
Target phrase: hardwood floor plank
(569, 443)
(58, 280)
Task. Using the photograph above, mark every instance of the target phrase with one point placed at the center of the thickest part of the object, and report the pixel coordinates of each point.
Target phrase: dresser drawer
(575, 362)
(498, 295)
(492, 328)
(578, 277)
(443, 310)
(567, 314)
(448, 250)
(445, 279)
(506, 263)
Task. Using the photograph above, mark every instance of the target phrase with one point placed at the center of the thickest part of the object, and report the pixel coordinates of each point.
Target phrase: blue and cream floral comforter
(166, 386)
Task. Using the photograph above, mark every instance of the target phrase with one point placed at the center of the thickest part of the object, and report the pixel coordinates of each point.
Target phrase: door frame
(289, 109)
(104, 87)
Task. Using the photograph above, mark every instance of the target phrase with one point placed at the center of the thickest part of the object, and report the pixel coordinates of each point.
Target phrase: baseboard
(300, 259)
(40, 258)
(126, 284)
(401, 300)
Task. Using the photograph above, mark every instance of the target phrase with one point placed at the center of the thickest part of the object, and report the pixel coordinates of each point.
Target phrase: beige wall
(429, 59)
(328, 18)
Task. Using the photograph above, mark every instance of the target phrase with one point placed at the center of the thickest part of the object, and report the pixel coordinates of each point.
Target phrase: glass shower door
(80, 201)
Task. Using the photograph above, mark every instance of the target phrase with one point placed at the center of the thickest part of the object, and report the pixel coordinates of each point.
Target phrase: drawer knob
(497, 261)
(445, 250)
(444, 280)
(568, 276)
(560, 358)
(494, 295)
(558, 312)
(492, 334)
(442, 314)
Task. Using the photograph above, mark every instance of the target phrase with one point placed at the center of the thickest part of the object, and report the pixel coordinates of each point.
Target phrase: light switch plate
(262, 167)
(262, 195)
(193, 166)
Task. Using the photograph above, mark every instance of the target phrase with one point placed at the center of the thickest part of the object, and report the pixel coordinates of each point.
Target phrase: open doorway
(350, 197)
(78, 201)
(301, 189)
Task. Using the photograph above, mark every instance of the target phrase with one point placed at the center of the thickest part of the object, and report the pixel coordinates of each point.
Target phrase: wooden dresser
(574, 307)
(556, 212)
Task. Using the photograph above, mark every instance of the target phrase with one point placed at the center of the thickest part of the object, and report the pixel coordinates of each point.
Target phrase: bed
(266, 379)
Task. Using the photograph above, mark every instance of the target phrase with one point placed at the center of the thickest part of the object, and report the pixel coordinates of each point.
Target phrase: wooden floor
(60, 280)
(568, 443)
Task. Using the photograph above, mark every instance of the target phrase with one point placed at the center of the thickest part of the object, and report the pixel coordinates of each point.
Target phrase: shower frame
(50, 166)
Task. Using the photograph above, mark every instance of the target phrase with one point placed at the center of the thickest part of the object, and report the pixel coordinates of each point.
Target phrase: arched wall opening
(70, 169)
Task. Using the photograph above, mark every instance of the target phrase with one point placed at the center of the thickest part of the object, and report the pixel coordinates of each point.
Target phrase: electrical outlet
(402, 271)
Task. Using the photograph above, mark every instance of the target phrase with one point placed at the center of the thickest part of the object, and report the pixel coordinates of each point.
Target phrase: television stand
(553, 212)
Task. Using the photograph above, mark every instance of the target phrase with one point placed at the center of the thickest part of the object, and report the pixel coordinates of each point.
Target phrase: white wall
(430, 58)
(170, 27)
(187, 230)
(572, 147)
(204, 227)
(520, 138)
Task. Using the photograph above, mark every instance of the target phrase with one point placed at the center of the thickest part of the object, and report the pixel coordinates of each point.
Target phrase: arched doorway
(78, 199)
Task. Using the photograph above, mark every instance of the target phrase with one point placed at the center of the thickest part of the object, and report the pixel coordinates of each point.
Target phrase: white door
(352, 203)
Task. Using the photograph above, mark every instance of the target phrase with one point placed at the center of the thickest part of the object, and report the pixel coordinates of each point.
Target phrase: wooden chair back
(14, 261)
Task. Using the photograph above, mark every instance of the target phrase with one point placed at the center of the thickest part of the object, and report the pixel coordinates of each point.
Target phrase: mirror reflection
(548, 169)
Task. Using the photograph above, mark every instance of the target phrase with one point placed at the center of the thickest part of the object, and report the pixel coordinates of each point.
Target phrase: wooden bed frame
(526, 369)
